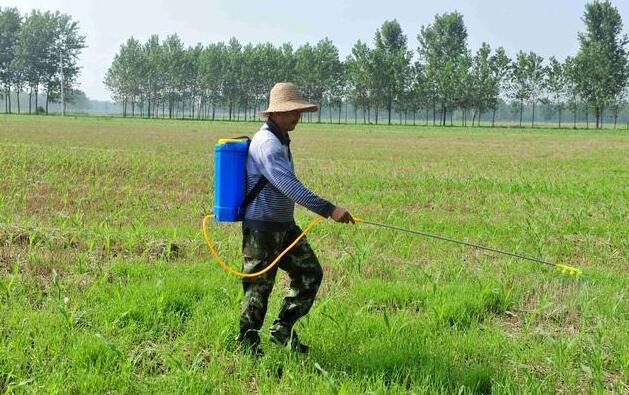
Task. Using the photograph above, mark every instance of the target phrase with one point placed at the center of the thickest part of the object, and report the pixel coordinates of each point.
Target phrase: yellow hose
(225, 266)
(564, 268)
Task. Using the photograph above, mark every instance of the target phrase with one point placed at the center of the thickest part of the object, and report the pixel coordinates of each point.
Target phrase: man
(269, 226)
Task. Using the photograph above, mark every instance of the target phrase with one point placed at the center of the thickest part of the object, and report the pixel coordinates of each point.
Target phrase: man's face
(287, 120)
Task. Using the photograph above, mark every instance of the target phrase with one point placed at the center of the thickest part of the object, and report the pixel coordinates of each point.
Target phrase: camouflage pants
(259, 249)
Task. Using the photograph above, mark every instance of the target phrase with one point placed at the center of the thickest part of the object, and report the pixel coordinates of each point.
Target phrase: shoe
(250, 344)
(292, 342)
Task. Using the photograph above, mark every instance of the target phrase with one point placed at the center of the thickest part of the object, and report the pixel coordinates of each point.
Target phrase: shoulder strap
(256, 188)
(255, 191)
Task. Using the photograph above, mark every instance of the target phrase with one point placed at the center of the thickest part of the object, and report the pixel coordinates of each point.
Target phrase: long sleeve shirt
(273, 208)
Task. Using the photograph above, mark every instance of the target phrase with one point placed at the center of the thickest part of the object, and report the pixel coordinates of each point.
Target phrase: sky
(547, 27)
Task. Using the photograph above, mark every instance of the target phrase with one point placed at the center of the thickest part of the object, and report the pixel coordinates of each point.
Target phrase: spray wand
(564, 268)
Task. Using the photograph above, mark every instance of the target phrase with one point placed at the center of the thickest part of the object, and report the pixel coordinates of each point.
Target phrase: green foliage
(229, 80)
(603, 61)
(34, 50)
(443, 48)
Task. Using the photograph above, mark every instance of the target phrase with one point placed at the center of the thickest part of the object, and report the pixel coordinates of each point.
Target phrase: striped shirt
(273, 208)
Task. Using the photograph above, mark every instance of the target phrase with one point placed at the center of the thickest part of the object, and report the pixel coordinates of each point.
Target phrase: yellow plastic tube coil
(270, 266)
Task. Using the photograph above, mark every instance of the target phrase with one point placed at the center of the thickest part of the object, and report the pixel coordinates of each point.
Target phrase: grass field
(106, 284)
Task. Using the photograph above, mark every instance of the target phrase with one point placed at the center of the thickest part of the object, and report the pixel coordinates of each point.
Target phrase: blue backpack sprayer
(230, 202)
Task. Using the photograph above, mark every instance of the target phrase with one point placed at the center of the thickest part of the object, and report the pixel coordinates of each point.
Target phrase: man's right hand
(341, 215)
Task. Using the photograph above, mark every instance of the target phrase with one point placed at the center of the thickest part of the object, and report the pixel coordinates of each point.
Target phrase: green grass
(106, 284)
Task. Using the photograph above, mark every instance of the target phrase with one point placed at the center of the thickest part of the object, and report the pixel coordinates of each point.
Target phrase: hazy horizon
(507, 24)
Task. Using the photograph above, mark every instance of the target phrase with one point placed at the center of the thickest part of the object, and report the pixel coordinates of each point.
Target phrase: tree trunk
(533, 116)
(597, 115)
(521, 111)
(493, 117)
(18, 99)
(330, 111)
(560, 118)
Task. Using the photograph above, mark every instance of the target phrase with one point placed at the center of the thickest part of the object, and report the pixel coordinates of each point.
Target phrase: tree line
(37, 52)
(165, 78)
(438, 78)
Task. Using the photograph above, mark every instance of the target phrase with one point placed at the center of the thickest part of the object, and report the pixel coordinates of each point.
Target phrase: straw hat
(285, 97)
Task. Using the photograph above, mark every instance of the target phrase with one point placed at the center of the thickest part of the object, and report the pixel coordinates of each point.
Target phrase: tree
(192, 89)
(557, 84)
(173, 59)
(31, 53)
(392, 64)
(115, 82)
(125, 76)
(10, 22)
(527, 77)
(359, 78)
(305, 78)
(288, 65)
(64, 49)
(465, 95)
(571, 73)
(500, 66)
(154, 71)
(420, 94)
(443, 48)
(269, 68)
(327, 74)
(618, 102)
(250, 75)
(483, 82)
(602, 58)
(536, 75)
(213, 65)
(231, 82)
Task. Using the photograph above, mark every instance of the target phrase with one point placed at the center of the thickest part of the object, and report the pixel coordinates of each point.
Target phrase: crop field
(106, 284)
